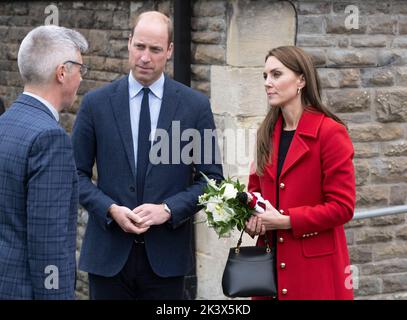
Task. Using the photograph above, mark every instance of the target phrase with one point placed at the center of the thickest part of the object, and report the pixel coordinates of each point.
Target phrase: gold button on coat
(282, 185)
(282, 211)
(281, 240)
(284, 291)
(282, 265)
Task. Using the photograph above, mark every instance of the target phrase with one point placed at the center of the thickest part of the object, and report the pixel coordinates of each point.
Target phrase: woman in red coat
(304, 169)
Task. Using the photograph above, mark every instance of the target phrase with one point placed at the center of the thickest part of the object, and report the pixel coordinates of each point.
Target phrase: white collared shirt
(46, 103)
(135, 97)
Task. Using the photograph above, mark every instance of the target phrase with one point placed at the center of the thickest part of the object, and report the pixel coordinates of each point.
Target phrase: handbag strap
(239, 243)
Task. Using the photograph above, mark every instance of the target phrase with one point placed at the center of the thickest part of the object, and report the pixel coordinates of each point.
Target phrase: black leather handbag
(249, 271)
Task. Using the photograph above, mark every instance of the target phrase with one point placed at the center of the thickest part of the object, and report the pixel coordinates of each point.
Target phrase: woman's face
(281, 83)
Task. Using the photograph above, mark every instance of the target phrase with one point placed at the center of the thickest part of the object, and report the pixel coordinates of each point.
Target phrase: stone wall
(364, 78)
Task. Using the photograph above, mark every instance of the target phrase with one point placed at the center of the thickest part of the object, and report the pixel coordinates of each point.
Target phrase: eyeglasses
(83, 67)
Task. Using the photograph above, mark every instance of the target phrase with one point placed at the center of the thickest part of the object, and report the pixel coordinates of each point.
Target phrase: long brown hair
(299, 62)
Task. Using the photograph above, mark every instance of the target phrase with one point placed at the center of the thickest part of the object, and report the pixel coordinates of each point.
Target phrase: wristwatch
(166, 208)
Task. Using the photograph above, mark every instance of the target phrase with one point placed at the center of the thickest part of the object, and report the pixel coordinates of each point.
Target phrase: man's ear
(169, 51)
(60, 73)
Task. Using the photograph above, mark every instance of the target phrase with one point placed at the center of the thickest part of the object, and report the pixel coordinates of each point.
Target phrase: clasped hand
(140, 219)
(271, 219)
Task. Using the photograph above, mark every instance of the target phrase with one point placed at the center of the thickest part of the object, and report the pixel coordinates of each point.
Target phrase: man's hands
(152, 214)
(139, 219)
(128, 220)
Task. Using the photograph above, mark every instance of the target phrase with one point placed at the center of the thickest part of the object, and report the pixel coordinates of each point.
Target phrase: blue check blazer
(38, 204)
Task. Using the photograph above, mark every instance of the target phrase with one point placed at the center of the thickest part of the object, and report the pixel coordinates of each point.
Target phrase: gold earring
(298, 91)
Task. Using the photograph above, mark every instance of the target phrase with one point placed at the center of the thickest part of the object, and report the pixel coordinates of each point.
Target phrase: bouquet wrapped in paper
(228, 206)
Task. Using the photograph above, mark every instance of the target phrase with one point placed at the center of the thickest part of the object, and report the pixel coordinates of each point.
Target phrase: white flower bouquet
(227, 205)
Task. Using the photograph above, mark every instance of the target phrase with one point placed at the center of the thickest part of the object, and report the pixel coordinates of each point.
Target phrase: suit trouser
(136, 281)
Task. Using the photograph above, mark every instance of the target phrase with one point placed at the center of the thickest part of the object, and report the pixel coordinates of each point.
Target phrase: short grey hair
(46, 47)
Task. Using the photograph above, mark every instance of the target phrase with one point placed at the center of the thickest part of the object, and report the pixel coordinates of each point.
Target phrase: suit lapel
(168, 108)
(119, 101)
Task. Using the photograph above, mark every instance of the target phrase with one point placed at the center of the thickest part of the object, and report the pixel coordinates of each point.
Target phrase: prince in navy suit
(138, 242)
(38, 180)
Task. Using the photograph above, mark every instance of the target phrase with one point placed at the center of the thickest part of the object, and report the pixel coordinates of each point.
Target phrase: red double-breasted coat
(317, 190)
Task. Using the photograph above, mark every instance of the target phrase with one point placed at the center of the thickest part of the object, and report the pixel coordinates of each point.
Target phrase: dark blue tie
(144, 145)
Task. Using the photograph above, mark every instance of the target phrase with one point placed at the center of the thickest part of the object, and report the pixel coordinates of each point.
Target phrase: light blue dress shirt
(155, 98)
(46, 103)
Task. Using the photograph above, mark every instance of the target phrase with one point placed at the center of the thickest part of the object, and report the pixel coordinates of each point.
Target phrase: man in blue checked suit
(138, 242)
(38, 180)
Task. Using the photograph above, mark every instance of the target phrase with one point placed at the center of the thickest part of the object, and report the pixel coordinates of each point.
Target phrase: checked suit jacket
(38, 204)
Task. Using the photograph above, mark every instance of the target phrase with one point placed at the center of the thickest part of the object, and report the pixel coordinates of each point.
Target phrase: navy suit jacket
(102, 132)
(38, 204)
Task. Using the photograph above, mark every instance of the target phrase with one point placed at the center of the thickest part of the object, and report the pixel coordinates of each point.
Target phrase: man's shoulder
(106, 90)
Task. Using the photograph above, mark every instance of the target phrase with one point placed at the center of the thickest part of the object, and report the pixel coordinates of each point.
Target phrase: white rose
(230, 191)
(220, 215)
(212, 203)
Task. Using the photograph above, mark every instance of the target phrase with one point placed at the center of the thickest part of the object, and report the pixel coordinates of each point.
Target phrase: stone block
(377, 77)
(318, 56)
(375, 132)
(209, 37)
(381, 24)
(316, 7)
(373, 235)
(361, 172)
(389, 170)
(368, 41)
(398, 195)
(121, 20)
(209, 54)
(103, 20)
(366, 150)
(306, 40)
(395, 149)
(399, 42)
(401, 76)
(98, 42)
(395, 282)
(310, 25)
(114, 65)
(367, 196)
(117, 49)
(389, 220)
(215, 24)
(244, 93)
(355, 117)
(401, 233)
(203, 86)
(348, 57)
(383, 251)
(200, 72)
(369, 286)
(336, 25)
(391, 105)
(329, 78)
(248, 43)
(360, 254)
(209, 8)
(349, 78)
(348, 100)
(396, 265)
